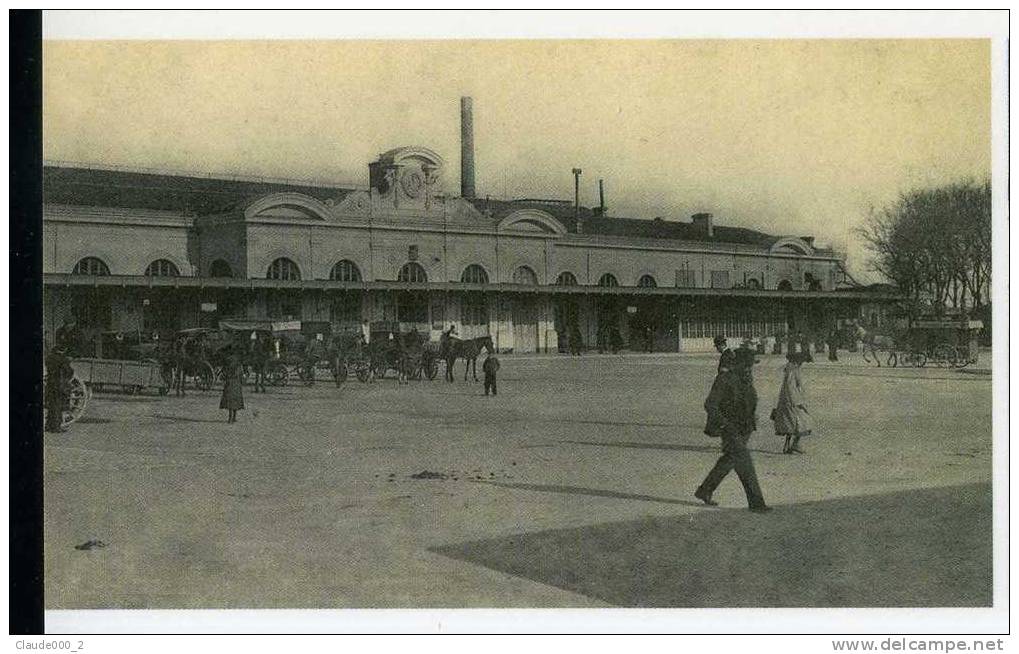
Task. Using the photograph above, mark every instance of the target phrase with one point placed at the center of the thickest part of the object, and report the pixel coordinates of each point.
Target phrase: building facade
(145, 251)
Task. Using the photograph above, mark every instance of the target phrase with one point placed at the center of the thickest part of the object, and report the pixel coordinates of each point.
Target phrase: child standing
(490, 367)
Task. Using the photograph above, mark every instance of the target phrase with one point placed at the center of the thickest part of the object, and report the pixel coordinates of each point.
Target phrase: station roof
(190, 193)
(600, 225)
(99, 187)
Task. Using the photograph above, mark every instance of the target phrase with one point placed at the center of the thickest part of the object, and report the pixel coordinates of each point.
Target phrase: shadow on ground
(928, 547)
(592, 492)
(714, 449)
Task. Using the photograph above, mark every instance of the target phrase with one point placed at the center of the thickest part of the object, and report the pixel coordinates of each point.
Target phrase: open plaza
(571, 488)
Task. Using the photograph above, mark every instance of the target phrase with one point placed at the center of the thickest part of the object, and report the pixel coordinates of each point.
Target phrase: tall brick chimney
(466, 148)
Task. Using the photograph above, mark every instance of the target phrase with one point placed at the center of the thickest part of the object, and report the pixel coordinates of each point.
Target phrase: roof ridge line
(179, 172)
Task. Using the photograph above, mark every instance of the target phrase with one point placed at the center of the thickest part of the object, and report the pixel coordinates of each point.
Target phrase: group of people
(731, 408)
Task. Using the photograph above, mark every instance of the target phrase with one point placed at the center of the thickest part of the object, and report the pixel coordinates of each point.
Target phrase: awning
(143, 281)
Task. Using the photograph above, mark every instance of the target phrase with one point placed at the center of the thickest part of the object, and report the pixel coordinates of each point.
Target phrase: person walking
(790, 415)
(57, 393)
(731, 407)
(833, 344)
(232, 398)
(490, 367)
(576, 341)
(728, 356)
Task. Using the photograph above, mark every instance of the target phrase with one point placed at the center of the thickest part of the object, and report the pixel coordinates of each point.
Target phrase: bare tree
(935, 245)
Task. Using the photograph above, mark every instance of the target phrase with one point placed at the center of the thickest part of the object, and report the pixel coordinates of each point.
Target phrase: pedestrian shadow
(160, 416)
(648, 446)
(610, 423)
(915, 548)
(593, 492)
(713, 449)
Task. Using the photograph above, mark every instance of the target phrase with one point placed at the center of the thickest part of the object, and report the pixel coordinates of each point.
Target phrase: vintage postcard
(672, 319)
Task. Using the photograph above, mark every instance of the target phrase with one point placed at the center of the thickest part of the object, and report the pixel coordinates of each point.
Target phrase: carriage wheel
(80, 395)
(921, 360)
(431, 369)
(363, 371)
(205, 377)
(944, 355)
(277, 374)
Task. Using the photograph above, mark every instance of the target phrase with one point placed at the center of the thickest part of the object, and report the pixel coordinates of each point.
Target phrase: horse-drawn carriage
(409, 354)
(192, 356)
(943, 342)
(275, 351)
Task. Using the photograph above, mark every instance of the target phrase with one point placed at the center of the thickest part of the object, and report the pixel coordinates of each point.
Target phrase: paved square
(572, 488)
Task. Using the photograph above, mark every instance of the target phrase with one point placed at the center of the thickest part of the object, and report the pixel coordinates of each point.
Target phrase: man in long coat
(731, 406)
(57, 394)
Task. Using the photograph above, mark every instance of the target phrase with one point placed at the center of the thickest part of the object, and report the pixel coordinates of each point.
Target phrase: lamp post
(576, 196)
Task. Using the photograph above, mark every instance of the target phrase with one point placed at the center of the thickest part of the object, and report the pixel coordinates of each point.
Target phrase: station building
(133, 250)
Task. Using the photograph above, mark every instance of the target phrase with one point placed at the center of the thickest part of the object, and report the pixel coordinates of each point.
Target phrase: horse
(453, 348)
(260, 351)
(875, 342)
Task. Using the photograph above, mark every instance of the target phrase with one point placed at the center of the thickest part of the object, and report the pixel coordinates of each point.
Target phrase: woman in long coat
(233, 387)
(791, 417)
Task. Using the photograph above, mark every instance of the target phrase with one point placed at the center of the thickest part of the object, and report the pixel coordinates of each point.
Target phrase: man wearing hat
(57, 394)
(726, 360)
(731, 408)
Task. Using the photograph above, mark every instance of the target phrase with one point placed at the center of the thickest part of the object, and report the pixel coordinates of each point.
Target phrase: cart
(945, 342)
(130, 376)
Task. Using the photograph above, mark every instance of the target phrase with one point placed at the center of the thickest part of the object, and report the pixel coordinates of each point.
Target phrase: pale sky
(785, 136)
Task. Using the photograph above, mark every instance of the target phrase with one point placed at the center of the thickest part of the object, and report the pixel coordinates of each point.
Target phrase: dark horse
(453, 348)
(261, 351)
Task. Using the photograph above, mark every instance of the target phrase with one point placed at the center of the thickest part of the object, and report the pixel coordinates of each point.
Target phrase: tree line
(935, 245)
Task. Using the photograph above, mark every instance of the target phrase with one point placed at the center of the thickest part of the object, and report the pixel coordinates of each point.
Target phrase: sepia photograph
(519, 323)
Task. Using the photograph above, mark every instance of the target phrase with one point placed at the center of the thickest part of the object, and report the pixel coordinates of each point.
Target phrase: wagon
(942, 342)
(418, 358)
(945, 341)
(131, 376)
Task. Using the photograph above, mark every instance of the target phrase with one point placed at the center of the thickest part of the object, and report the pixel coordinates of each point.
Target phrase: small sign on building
(207, 307)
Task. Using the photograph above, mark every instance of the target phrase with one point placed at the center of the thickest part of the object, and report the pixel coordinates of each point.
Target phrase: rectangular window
(284, 305)
(412, 308)
(345, 310)
(92, 311)
(720, 279)
(685, 278)
(474, 311)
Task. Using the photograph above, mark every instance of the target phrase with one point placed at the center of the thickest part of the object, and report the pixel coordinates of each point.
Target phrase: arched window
(524, 275)
(412, 272)
(162, 268)
(474, 274)
(753, 283)
(220, 268)
(608, 279)
(647, 281)
(345, 271)
(91, 266)
(785, 285)
(283, 269)
(566, 279)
